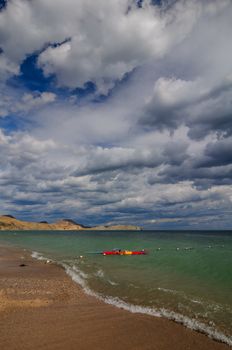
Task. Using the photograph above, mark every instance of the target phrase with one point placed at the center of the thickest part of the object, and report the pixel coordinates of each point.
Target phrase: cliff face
(9, 223)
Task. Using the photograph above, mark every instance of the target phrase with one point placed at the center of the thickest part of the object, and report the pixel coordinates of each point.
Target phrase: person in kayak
(124, 252)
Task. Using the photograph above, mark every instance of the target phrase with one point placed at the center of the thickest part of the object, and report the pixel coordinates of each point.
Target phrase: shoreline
(44, 308)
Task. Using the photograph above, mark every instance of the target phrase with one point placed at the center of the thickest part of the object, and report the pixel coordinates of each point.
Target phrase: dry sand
(41, 308)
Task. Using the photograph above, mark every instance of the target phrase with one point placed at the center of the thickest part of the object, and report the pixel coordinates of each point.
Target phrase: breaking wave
(39, 256)
(80, 278)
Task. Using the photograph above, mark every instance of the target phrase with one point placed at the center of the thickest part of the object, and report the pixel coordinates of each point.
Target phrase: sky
(117, 111)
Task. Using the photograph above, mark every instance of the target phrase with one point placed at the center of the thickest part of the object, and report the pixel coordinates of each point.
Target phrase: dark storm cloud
(175, 153)
(210, 175)
(119, 159)
(203, 113)
(131, 160)
(216, 154)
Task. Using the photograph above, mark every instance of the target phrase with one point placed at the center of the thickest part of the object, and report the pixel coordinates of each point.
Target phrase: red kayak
(124, 252)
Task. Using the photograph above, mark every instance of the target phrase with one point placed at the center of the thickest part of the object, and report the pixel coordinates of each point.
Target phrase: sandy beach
(42, 308)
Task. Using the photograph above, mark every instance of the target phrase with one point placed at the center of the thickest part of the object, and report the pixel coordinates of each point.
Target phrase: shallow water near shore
(187, 276)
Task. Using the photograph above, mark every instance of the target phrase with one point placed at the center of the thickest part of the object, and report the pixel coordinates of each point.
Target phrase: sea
(185, 277)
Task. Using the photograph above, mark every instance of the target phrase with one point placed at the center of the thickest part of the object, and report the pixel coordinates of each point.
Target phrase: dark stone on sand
(22, 265)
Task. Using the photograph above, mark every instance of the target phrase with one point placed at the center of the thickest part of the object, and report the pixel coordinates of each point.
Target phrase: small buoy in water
(177, 248)
(158, 248)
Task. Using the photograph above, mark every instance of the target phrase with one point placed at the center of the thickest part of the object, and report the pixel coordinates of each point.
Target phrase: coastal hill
(10, 223)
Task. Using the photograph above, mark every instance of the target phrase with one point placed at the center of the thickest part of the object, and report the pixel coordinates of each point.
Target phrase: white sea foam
(100, 273)
(196, 301)
(171, 315)
(112, 283)
(77, 276)
(172, 291)
(80, 278)
(81, 273)
(175, 292)
(38, 256)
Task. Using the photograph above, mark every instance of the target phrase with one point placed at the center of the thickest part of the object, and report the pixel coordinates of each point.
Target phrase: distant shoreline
(10, 223)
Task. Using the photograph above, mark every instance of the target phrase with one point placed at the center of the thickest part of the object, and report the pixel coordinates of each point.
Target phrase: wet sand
(42, 308)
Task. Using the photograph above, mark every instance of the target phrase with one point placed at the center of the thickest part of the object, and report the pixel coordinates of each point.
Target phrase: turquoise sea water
(187, 276)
